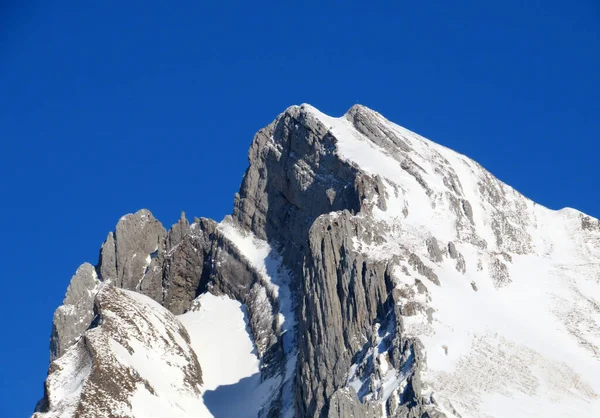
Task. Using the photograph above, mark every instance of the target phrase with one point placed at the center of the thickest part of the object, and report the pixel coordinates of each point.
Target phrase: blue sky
(108, 107)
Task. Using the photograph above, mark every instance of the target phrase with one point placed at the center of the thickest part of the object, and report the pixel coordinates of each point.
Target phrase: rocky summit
(365, 271)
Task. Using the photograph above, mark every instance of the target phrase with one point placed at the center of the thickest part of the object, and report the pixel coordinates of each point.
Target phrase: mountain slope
(135, 359)
(364, 271)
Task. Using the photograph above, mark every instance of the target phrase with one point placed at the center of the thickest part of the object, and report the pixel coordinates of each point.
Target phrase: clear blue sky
(107, 107)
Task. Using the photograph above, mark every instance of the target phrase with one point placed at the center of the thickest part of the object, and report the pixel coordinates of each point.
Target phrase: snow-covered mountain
(365, 272)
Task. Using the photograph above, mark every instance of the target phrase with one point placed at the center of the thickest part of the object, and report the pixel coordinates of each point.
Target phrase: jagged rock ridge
(381, 274)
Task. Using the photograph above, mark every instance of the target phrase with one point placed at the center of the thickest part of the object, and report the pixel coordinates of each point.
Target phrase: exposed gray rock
(589, 224)
(73, 317)
(369, 123)
(107, 262)
(132, 256)
(452, 252)
(461, 265)
(468, 210)
(293, 174)
(422, 269)
(499, 273)
(434, 250)
(294, 177)
(184, 266)
(345, 403)
(139, 242)
(414, 170)
(510, 215)
(370, 189)
(452, 182)
(342, 295)
(177, 232)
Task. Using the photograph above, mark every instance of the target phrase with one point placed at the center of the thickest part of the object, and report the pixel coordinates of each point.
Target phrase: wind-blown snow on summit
(365, 271)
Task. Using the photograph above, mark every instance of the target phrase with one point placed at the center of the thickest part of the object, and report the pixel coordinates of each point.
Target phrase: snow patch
(220, 337)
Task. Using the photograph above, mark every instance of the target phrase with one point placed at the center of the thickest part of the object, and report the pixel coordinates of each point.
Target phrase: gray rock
(422, 269)
(139, 242)
(589, 224)
(369, 123)
(294, 176)
(452, 252)
(342, 296)
(415, 170)
(468, 210)
(345, 404)
(107, 262)
(72, 318)
(499, 273)
(461, 265)
(178, 231)
(434, 250)
(184, 265)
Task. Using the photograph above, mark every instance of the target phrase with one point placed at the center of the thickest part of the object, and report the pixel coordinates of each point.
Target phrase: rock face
(136, 248)
(73, 317)
(381, 274)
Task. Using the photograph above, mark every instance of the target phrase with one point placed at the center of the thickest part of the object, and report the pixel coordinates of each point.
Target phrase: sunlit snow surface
(230, 367)
(528, 348)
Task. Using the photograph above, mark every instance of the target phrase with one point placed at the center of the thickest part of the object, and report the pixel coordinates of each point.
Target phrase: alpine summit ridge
(365, 271)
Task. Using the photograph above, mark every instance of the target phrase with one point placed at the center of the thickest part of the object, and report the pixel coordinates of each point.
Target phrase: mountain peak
(365, 271)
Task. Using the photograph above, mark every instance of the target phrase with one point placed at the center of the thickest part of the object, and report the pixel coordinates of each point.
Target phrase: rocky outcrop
(132, 256)
(343, 295)
(73, 317)
(187, 263)
(102, 373)
(294, 175)
(590, 224)
(434, 250)
(345, 403)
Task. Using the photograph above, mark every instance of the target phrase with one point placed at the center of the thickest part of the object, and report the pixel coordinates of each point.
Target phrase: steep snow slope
(230, 366)
(515, 329)
(219, 337)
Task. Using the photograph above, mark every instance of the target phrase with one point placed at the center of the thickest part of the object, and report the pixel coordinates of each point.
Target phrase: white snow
(221, 341)
(230, 367)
